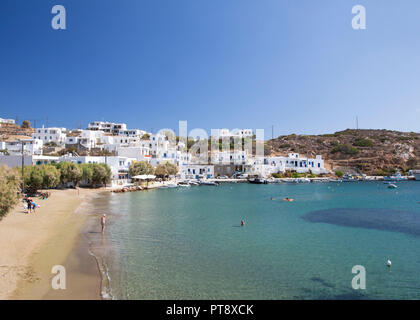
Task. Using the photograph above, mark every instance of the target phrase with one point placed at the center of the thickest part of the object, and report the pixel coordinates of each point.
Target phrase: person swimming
(103, 221)
(242, 223)
(288, 199)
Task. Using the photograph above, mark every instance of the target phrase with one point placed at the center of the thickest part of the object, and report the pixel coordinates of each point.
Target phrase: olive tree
(9, 189)
(140, 168)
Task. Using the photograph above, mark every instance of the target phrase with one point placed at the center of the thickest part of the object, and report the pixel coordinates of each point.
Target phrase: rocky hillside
(376, 152)
(13, 131)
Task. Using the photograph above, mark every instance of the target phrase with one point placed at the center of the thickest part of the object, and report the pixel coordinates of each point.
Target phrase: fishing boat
(257, 181)
(415, 174)
(349, 178)
(208, 183)
(396, 177)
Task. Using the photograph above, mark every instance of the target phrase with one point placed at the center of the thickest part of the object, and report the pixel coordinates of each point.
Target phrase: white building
(30, 146)
(16, 160)
(8, 121)
(138, 152)
(119, 165)
(132, 133)
(265, 166)
(88, 139)
(240, 133)
(56, 135)
(230, 157)
(196, 171)
(108, 127)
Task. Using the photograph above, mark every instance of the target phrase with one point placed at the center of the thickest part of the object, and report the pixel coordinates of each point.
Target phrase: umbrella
(144, 177)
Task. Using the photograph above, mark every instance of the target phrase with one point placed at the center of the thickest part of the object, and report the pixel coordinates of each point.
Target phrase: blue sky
(297, 65)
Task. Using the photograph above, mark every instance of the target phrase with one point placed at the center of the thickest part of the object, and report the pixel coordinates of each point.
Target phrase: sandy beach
(31, 244)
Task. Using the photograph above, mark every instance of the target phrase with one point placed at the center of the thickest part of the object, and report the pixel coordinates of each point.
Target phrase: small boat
(194, 183)
(172, 185)
(392, 186)
(257, 181)
(396, 177)
(184, 184)
(208, 183)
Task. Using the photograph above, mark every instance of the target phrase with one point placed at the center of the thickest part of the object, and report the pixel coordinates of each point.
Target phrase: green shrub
(9, 188)
(362, 142)
(339, 173)
(345, 149)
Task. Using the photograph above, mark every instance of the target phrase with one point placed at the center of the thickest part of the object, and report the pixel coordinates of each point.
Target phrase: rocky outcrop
(362, 151)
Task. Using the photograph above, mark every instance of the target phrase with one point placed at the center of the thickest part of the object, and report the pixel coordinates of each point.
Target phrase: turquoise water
(187, 243)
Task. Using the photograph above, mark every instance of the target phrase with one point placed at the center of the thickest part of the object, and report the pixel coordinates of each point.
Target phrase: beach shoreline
(31, 244)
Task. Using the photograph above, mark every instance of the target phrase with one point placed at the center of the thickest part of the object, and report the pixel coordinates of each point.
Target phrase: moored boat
(257, 181)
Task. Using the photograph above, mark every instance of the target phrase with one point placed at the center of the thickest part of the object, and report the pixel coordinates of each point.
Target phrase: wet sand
(31, 244)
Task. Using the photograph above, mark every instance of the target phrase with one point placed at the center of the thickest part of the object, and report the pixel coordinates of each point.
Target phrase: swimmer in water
(103, 219)
(242, 223)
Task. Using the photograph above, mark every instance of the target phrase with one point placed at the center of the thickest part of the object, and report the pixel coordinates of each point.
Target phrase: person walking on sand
(29, 204)
(103, 222)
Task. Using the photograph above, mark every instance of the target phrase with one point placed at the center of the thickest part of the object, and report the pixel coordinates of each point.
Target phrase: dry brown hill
(364, 151)
(10, 131)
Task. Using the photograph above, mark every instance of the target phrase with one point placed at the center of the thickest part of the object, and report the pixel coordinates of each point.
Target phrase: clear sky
(297, 65)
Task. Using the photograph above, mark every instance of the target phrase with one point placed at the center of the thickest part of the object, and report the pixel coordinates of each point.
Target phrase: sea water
(188, 243)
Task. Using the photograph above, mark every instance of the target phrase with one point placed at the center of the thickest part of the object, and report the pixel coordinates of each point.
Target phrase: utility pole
(357, 122)
(272, 132)
(23, 167)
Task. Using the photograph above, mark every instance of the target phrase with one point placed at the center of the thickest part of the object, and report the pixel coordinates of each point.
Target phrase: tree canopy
(140, 168)
(9, 189)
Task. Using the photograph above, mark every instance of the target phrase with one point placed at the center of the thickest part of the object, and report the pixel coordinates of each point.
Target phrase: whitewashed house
(108, 127)
(16, 160)
(30, 146)
(88, 139)
(240, 133)
(119, 165)
(7, 121)
(196, 171)
(53, 134)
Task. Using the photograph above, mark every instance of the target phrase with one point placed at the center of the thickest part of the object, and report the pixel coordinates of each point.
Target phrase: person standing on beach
(29, 204)
(103, 222)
